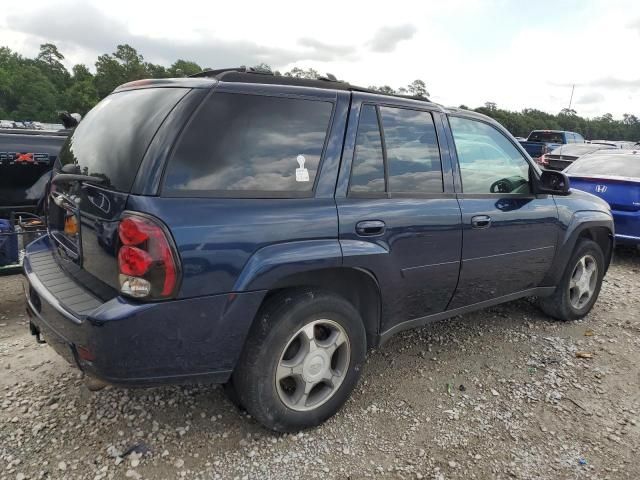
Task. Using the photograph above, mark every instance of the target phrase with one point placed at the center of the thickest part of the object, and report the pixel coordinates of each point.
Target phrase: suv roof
(210, 78)
(328, 81)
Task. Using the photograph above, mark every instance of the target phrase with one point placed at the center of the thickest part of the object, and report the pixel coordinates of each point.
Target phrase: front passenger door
(509, 233)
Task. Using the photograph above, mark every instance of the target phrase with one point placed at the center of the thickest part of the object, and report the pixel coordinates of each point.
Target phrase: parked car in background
(264, 231)
(604, 142)
(26, 160)
(541, 142)
(563, 156)
(624, 144)
(614, 176)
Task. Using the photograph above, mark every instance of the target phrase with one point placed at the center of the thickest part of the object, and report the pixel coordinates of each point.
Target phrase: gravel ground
(501, 393)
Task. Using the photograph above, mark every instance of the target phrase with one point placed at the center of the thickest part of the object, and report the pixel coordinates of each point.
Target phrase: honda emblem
(601, 188)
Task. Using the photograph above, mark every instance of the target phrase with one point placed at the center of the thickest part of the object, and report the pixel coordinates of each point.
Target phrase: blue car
(614, 176)
(263, 232)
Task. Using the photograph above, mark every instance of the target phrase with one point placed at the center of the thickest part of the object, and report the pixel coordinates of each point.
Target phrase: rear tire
(303, 358)
(580, 284)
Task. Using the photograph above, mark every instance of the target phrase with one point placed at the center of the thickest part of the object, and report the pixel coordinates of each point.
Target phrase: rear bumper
(127, 343)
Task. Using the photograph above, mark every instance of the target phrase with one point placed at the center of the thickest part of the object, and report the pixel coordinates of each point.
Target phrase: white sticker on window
(302, 174)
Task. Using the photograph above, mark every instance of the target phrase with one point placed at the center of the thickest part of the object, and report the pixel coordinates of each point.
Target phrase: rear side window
(413, 156)
(112, 138)
(409, 154)
(250, 143)
(367, 173)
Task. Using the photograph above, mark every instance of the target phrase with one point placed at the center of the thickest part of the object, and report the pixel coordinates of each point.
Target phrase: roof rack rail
(243, 74)
(220, 71)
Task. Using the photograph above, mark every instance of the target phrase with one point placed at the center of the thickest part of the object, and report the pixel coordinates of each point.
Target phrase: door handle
(370, 228)
(481, 221)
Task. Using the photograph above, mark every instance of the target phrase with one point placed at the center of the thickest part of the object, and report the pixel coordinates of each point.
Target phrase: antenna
(571, 98)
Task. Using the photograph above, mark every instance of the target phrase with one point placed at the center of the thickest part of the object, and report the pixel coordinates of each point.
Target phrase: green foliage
(417, 88)
(598, 128)
(36, 89)
(299, 73)
(183, 68)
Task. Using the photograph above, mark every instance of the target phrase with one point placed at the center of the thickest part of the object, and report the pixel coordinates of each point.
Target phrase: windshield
(546, 137)
(620, 165)
(112, 139)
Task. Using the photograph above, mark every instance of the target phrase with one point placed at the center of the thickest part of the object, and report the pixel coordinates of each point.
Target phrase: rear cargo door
(108, 145)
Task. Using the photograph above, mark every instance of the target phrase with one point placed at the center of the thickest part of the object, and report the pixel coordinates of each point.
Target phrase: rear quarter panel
(216, 238)
(245, 244)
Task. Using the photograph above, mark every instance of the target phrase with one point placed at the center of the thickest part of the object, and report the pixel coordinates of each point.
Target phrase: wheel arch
(591, 225)
(358, 286)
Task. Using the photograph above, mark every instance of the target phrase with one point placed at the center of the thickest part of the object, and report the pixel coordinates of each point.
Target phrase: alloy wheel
(582, 284)
(313, 365)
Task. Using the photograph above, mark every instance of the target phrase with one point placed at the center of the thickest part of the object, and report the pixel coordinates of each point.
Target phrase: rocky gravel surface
(501, 393)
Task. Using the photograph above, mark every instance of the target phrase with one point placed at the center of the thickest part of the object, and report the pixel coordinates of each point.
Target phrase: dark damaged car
(264, 232)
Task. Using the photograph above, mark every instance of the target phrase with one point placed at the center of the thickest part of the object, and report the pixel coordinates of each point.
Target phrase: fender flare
(580, 222)
(267, 265)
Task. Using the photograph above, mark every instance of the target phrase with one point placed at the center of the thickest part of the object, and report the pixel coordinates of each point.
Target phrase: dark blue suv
(263, 232)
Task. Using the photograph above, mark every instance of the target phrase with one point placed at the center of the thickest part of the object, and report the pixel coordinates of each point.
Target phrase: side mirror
(552, 183)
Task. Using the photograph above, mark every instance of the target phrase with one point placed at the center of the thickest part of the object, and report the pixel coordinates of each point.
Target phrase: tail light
(147, 260)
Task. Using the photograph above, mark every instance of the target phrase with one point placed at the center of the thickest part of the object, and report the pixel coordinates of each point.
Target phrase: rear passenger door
(398, 215)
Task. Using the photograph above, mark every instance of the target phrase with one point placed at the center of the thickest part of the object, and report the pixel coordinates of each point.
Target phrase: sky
(518, 54)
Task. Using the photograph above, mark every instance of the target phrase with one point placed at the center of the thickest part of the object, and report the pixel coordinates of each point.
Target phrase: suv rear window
(112, 139)
(546, 137)
(249, 144)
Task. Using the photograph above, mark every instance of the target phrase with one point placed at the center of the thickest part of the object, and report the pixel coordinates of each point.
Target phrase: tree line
(38, 88)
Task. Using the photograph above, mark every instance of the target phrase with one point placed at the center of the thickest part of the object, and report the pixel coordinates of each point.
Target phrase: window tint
(367, 172)
(489, 163)
(251, 143)
(112, 138)
(413, 157)
(546, 137)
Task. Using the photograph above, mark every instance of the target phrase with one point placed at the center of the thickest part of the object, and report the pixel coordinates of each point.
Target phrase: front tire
(302, 360)
(580, 285)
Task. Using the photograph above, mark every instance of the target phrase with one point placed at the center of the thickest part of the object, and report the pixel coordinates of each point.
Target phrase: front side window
(250, 143)
(489, 162)
(413, 156)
